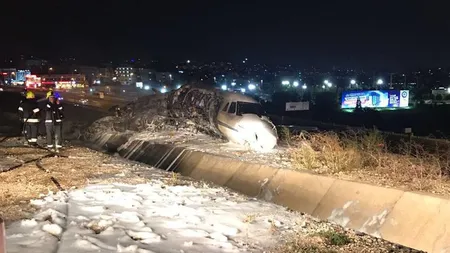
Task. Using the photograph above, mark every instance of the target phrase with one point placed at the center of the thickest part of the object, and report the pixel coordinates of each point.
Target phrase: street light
(326, 81)
(329, 84)
(251, 87)
(353, 82)
(296, 84)
(380, 81)
(285, 82)
(243, 90)
(233, 83)
(224, 87)
(304, 86)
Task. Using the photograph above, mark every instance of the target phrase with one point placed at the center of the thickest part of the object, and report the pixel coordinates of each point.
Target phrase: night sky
(356, 34)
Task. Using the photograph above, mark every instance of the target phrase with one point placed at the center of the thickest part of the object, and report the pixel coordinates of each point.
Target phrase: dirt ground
(28, 182)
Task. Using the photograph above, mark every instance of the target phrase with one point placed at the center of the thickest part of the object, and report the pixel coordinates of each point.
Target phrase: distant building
(146, 76)
(91, 73)
(441, 91)
(164, 78)
(64, 81)
(37, 66)
(125, 75)
(9, 75)
(105, 75)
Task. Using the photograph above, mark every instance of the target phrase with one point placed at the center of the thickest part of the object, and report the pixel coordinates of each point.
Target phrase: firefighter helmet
(29, 95)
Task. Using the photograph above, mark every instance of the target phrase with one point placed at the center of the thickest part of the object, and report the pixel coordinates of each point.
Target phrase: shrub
(367, 151)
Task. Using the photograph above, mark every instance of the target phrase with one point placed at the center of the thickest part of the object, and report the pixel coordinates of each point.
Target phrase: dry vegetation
(365, 156)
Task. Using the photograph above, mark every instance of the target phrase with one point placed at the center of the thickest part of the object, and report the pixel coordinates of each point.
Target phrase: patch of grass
(284, 134)
(173, 180)
(249, 218)
(299, 246)
(323, 151)
(411, 166)
(335, 238)
(309, 249)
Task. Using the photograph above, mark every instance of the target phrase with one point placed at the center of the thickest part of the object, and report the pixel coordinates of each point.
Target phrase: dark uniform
(53, 122)
(29, 115)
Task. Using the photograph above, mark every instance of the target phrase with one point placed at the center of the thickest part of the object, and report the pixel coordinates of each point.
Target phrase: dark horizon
(348, 35)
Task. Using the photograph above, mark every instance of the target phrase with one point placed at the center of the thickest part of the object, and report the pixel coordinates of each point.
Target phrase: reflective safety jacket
(53, 113)
(29, 111)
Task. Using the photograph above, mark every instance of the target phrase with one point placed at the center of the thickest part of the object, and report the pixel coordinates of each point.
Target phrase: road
(75, 97)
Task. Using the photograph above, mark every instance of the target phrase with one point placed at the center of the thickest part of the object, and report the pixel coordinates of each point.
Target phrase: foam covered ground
(153, 217)
(198, 141)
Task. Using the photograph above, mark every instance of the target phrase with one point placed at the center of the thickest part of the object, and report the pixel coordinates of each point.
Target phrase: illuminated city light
(380, 81)
(251, 87)
(224, 87)
(178, 86)
(188, 61)
(323, 86)
(304, 86)
(329, 84)
(448, 90)
(325, 82)
(163, 90)
(243, 90)
(147, 87)
(233, 83)
(285, 82)
(296, 84)
(353, 81)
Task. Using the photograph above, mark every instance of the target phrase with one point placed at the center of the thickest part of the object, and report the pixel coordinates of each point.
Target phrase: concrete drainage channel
(415, 220)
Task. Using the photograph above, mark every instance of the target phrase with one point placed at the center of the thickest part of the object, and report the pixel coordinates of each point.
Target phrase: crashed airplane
(227, 115)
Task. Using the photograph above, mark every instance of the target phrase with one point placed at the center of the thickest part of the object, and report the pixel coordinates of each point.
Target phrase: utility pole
(405, 85)
(390, 84)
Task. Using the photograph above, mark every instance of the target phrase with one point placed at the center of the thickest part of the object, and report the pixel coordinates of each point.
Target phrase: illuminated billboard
(375, 98)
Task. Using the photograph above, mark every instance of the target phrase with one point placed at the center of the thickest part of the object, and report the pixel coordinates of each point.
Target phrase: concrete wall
(411, 219)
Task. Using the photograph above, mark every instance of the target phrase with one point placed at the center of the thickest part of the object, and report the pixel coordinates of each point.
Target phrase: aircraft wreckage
(227, 115)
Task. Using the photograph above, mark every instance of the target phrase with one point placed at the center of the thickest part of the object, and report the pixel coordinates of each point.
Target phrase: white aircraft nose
(260, 136)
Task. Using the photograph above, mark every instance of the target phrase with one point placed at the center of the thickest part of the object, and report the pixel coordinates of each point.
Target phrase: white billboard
(297, 106)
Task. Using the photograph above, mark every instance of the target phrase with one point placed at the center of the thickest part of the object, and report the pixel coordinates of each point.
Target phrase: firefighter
(53, 122)
(49, 92)
(29, 115)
